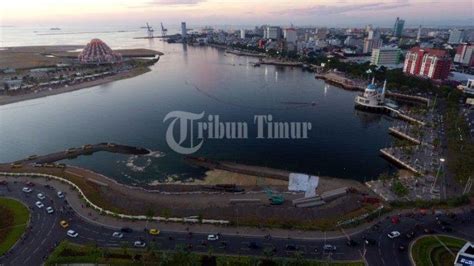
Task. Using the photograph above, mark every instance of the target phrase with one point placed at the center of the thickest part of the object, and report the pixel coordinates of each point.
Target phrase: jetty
(390, 153)
(87, 149)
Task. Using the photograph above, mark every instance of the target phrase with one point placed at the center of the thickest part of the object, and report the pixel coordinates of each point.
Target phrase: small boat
(54, 29)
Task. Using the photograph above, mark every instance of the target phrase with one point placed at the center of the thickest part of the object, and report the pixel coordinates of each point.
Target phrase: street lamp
(441, 160)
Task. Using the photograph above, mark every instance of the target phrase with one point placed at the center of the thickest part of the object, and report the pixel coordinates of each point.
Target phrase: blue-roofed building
(373, 97)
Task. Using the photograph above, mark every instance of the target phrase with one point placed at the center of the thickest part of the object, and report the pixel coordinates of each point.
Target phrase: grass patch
(13, 220)
(72, 253)
(428, 250)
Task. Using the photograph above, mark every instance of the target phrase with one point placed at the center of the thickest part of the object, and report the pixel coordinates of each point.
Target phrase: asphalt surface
(45, 233)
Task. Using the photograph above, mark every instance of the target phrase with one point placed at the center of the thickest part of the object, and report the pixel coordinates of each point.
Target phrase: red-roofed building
(429, 63)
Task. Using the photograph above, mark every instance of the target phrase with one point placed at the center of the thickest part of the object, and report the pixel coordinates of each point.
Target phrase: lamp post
(441, 162)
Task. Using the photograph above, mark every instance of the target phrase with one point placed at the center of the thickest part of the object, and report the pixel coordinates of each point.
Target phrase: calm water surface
(343, 142)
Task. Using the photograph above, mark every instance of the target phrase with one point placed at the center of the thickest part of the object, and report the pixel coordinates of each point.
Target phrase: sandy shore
(7, 99)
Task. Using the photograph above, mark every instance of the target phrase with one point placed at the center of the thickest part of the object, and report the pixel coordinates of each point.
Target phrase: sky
(236, 12)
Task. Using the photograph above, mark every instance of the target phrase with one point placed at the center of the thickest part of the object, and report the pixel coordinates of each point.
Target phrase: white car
(117, 235)
(393, 234)
(139, 244)
(50, 210)
(60, 194)
(41, 196)
(27, 189)
(72, 233)
(39, 204)
(212, 237)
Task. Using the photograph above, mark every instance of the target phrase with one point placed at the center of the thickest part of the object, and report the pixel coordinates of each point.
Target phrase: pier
(397, 131)
(389, 153)
(87, 149)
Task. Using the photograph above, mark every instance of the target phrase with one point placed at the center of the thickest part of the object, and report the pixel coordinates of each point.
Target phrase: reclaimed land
(14, 218)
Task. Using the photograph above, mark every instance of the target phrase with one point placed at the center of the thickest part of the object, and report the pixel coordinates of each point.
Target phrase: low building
(429, 63)
(385, 56)
(465, 256)
(468, 88)
(12, 84)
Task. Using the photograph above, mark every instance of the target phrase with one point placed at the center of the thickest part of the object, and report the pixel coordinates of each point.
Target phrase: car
(291, 247)
(30, 184)
(39, 204)
(60, 194)
(139, 244)
(212, 237)
(369, 241)
(27, 189)
(50, 210)
(126, 230)
(154, 232)
(117, 235)
(329, 248)
(253, 245)
(428, 231)
(401, 248)
(351, 243)
(40, 196)
(393, 234)
(410, 235)
(446, 229)
(72, 233)
(64, 224)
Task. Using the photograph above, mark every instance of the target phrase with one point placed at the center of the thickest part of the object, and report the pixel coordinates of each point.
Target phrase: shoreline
(5, 100)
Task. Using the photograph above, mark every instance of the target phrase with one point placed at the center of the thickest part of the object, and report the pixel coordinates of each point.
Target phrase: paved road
(45, 233)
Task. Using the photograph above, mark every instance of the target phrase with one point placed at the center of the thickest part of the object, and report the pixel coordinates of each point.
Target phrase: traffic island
(14, 218)
(435, 250)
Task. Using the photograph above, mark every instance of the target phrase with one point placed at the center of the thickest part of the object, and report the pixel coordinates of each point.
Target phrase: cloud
(176, 2)
(342, 9)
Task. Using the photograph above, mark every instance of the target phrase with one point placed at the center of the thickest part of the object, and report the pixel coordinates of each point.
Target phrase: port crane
(164, 30)
(149, 30)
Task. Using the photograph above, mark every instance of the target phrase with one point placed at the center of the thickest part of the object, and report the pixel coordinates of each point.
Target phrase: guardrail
(114, 214)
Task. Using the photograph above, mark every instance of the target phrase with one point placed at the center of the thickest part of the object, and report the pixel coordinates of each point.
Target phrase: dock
(389, 154)
(399, 133)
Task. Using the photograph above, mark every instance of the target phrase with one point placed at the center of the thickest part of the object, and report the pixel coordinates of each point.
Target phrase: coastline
(5, 100)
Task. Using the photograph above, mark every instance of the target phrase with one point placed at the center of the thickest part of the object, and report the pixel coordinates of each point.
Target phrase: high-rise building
(418, 34)
(398, 27)
(290, 35)
(272, 32)
(242, 34)
(385, 56)
(184, 31)
(456, 36)
(321, 33)
(372, 41)
(430, 63)
(465, 55)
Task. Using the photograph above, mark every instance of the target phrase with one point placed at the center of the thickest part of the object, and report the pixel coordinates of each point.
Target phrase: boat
(54, 29)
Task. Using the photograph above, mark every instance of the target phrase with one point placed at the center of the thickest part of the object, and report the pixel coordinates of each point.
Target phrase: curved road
(46, 232)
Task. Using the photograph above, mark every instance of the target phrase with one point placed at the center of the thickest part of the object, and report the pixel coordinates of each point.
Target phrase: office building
(290, 35)
(385, 56)
(429, 63)
(398, 27)
(456, 36)
(465, 55)
(184, 31)
(242, 34)
(272, 32)
(372, 41)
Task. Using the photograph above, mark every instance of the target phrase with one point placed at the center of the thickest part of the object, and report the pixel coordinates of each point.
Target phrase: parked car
(72, 233)
(39, 204)
(139, 244)
(60, 194)
(329, 248)
(50, 210)
(27, 190)
(117, 235)
(212, 237)
(41, 196)
(393, 234)
(291, 247)
(126, 230)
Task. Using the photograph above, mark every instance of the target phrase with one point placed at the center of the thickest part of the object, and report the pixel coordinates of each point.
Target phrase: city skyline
(215, 12)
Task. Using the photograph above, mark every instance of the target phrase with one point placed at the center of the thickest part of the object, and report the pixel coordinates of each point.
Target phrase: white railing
(121, 215)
